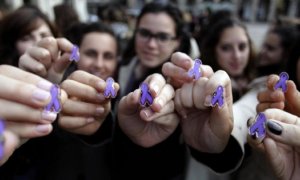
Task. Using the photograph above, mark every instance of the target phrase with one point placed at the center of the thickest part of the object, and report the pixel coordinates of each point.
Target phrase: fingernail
(90, 119)
(40, 95)
(155, 88)
(49, 116)
(45, 85)
(274, 127)
(101, 84)
(207, 101)
(148, 112)
(43, 128)
(160, 102)
(99, 110)
(101, 97)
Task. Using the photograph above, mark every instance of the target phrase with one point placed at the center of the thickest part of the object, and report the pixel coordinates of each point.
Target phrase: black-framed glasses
(161, 37)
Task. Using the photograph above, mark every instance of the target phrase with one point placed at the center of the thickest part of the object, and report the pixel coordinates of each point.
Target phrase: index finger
(91, 80)
(24, 76)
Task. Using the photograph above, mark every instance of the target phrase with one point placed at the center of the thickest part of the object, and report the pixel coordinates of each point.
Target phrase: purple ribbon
(75, 54)
(1, 138)
(146, 97)
(218, 97)
(109, 89)
(195, 71)
(282, 82)
(54, 104)
(258, 128)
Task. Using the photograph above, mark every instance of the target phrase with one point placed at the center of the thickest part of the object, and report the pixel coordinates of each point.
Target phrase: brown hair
(15, 26)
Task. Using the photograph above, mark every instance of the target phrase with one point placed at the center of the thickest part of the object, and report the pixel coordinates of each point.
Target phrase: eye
(144, 33)
(109, 56)
(26, 38)
(225, 47)
(243, 46)
(91, 53)
(163, 37)
(43, 35)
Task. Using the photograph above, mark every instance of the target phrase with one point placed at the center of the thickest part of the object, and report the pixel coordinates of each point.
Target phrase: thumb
(130, 103)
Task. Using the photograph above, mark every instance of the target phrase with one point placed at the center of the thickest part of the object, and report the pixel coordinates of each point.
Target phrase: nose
(152, 42)
(99, 63)
(237, 54)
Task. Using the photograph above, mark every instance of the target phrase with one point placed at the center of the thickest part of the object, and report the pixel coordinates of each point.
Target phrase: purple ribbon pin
(146, 97)
(109, 89)
(282, 82)
(218, 97)
(75, 54)
(258, 128)
(54, 104)
(195, 71)
(1, 138)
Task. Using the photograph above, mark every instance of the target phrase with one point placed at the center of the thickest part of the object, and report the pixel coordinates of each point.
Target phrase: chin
(150, 63)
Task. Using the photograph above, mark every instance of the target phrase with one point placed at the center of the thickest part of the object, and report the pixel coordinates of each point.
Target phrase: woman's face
(98, 59)
(155, 39)
(33, 37)
(271, 51)
(232, 50)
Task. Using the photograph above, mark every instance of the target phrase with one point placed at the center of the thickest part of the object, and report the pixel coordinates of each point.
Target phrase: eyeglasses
(161, 38)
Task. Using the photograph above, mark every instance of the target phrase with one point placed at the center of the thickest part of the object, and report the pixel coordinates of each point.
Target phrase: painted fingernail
(49, 116)
(45, 85)
(274, 127)
(40, 95)
(43, 128)
(99, 111)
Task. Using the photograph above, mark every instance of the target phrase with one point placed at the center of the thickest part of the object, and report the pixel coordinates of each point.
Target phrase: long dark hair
(212, 39)
(15, 26)
(175, 14)
(291, 65)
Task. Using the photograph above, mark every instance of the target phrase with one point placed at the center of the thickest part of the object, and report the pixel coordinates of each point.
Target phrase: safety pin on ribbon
(282, 82)
(55, 104)
(195, 71)
(218, 98)
(146, 97)
(75, 54)
(109, 89)
(258, 128)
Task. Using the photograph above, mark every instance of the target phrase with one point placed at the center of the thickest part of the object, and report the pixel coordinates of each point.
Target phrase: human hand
(281, 144)
(49, 58)
(177, 69)
(205, 128)
(151, 125)
(270, 98)
(23, 97)
(86, 108)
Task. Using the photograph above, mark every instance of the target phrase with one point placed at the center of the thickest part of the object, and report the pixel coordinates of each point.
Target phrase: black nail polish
(274, 127)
